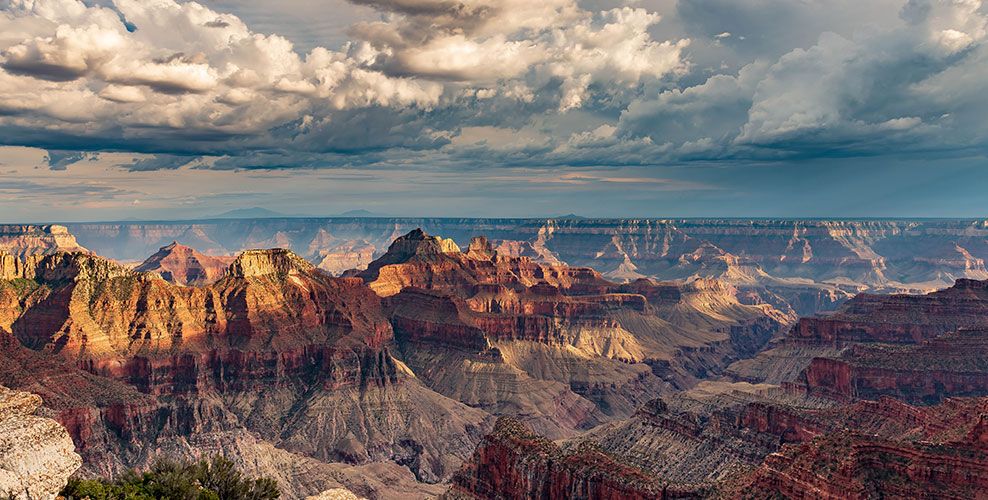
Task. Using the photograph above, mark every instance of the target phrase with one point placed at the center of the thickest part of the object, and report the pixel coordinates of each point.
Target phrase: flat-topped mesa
(905, 319)
(184, 265)
(24, 240)
(273, 262)
(949, 366)
(62, 267)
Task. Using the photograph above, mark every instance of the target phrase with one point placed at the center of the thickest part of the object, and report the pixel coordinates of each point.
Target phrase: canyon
(499, 361)
(324, 381)
(883, 397)
(810, 264)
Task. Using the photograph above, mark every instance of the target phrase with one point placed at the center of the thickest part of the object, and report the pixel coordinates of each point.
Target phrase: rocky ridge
(944, 454)
(788, 257)
(136, 367)
(184, 265)
(36, 453)
(24, 240)
(559, 347)
(512, 462)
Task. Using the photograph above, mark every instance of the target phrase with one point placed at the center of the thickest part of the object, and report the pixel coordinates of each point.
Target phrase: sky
(160, 109)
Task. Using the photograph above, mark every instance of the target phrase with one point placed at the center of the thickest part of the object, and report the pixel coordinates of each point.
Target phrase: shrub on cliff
(215, 479)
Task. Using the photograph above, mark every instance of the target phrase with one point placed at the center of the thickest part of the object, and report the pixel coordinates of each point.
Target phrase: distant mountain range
(264, 213)
(249, 213)
(360, 213)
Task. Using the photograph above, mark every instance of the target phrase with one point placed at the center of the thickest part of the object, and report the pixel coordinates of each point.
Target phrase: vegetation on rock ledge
(215, 479)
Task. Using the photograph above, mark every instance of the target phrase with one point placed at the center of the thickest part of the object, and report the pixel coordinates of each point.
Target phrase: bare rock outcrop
(137, 367)
(36, 453)
(559, 347)
(276, 262)
(335, 494)
(939, 452)
(184, 265)
(514, 463)
(24, 240)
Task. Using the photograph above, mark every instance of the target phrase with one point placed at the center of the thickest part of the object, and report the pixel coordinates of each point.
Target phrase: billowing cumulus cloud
(162, 76)
(880, 91)
(475, 85)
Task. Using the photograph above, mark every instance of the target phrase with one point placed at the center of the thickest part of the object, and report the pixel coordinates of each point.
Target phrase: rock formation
(747, 443)
(24, 240)
(275, 353)
(943, 455)
(184, 265)
(833, 429)
(949, 366)
(870, 324)
(900, 319)
(382, 382)
(36, 453)
(559, 347)
(512, 462)
(783, 255)
(335, 494)
(340, 257)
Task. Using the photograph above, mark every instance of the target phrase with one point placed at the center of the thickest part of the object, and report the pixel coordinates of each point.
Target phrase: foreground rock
(754, 444)
(942, 453)
(335, 494)
(36, 453)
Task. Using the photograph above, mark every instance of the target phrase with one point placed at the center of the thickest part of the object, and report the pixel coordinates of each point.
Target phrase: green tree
(213, 479)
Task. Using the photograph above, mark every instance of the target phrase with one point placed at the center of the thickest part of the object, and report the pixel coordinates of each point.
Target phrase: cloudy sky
(116, 109)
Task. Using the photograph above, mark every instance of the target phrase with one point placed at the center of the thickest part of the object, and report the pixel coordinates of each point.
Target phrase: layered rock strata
(275, 353)
(951, 365)
(514, 463)
(943, 455)
(184, 265)
(559, 347)
(868, 326)
(24, 240)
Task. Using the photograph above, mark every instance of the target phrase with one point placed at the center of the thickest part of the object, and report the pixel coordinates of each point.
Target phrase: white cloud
(844, 90)
(169, 76)
(122, 94)
(905, 87)
(178, 75)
